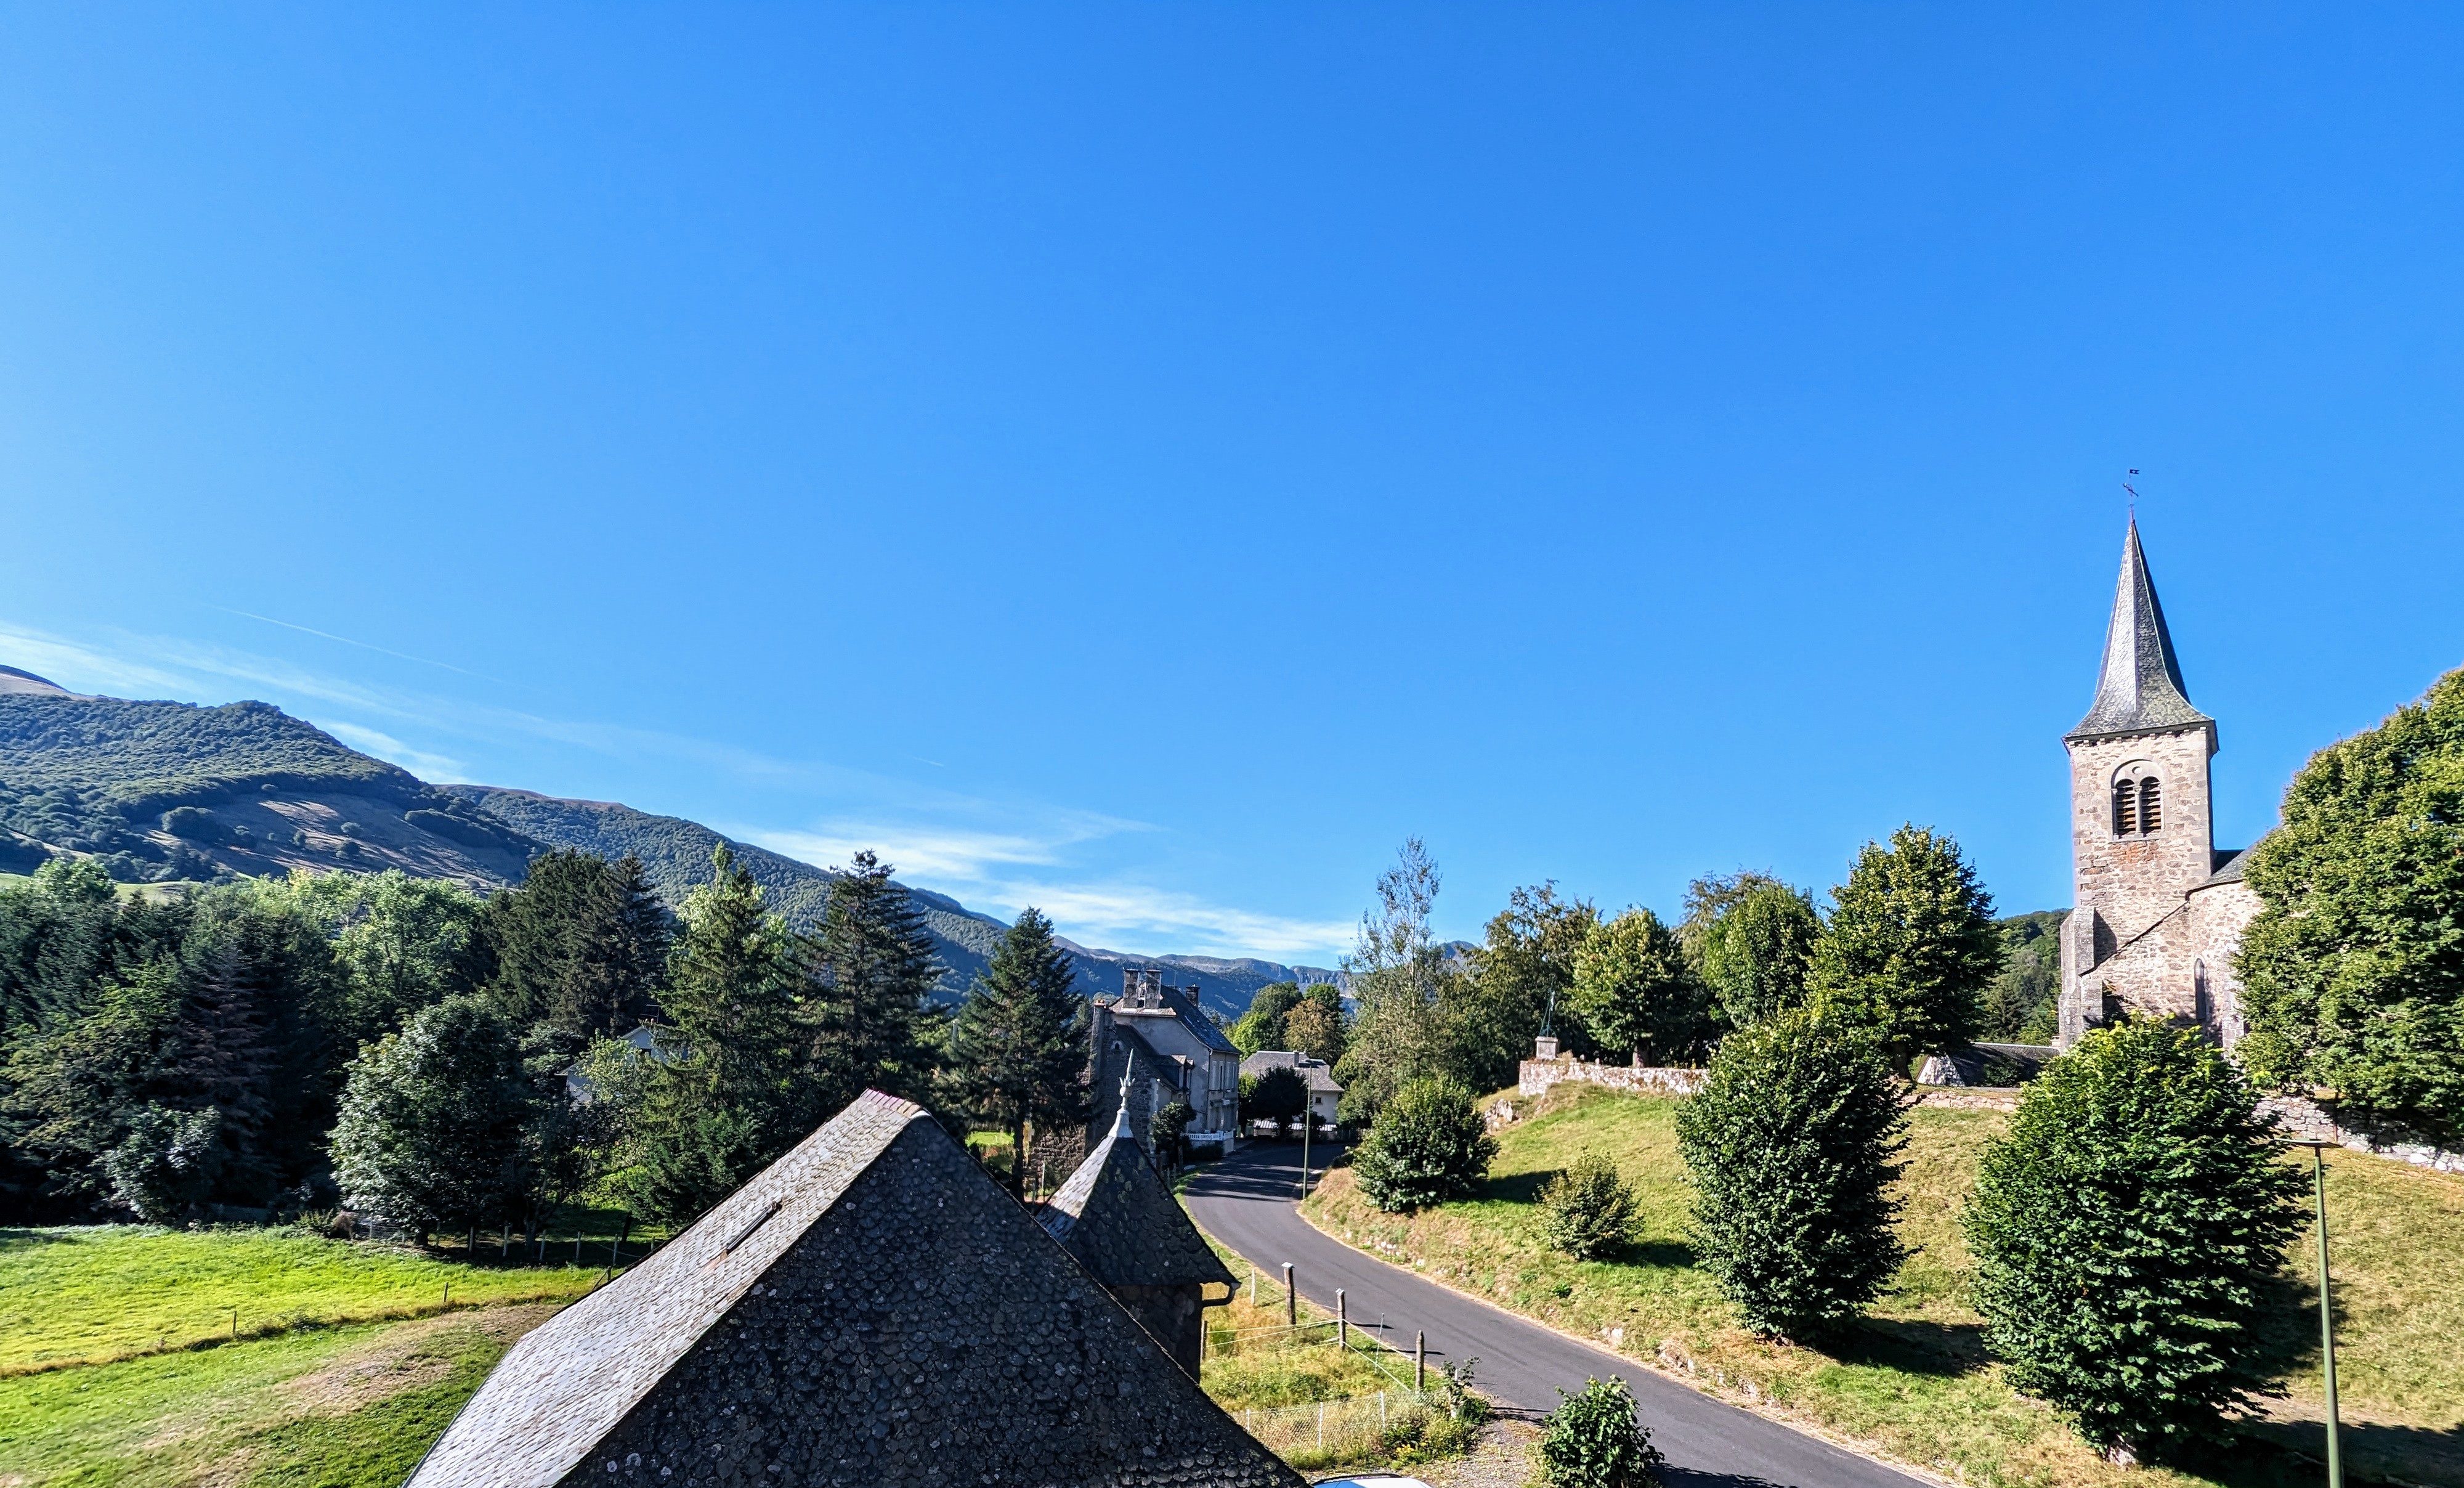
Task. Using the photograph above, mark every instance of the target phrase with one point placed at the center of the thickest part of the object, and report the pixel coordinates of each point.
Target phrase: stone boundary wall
(1538, 1075)
(2301, 1118)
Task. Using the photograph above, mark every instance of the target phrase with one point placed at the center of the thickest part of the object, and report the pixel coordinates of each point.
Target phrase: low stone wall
(1538, 1075)
(2303, 1118)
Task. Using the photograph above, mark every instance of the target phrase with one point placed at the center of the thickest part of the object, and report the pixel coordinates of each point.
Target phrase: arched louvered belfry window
(2151, 805)
(2125, 808)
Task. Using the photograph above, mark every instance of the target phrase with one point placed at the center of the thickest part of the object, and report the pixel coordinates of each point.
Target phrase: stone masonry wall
(2130, 933)
(1538, 1075)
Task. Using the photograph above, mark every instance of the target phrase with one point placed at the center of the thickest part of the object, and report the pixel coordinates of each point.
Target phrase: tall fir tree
(871, 974)
(618, 957)
(1910, 944)
(1018, 1046)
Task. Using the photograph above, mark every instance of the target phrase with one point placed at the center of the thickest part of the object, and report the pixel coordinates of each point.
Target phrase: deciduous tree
(1750, 937)
(1910, 944)
(1633, 992)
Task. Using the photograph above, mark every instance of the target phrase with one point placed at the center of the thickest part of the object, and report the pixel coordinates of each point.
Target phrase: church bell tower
(2142, 836)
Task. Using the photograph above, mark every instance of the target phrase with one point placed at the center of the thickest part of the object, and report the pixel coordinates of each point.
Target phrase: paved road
(1245, 1201)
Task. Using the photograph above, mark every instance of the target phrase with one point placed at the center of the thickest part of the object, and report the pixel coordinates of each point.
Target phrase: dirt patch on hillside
(406, 1357)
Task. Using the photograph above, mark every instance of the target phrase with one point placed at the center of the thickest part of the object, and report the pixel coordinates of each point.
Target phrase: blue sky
(1145, 461)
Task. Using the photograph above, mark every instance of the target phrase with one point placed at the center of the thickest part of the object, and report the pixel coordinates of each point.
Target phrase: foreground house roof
(869, 1309)
(2139, 689)
(1120, 1222)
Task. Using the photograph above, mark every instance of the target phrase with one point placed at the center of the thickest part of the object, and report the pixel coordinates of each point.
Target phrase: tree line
(457, 1062)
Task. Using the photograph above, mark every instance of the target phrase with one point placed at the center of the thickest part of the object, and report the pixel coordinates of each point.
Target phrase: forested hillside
(172, 793)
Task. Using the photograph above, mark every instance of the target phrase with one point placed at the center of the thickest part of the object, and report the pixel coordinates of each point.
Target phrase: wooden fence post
(1342, 1321)
(1420, 1362)
(1291, 1299)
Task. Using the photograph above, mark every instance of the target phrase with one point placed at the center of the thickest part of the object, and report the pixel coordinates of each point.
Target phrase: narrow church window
(2151, 805)
(2205, 1004)
(2125, 809)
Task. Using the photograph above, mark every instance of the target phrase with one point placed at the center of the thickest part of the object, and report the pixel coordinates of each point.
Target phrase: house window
(2125, 808)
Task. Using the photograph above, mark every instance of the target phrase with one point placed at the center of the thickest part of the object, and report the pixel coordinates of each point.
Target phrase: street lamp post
(1308, 1118)
(2326, 1309)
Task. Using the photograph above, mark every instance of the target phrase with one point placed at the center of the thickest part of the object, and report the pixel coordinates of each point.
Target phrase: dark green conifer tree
(870, 972)
(1018, 1046)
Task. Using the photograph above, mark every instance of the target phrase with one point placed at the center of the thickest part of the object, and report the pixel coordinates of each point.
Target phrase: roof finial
(2134, 496)
(1121, 1121)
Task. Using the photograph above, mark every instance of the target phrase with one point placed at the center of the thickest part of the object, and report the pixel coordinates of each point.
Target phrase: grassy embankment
(1915, 1383)
(118, 1366)
(118, 1362)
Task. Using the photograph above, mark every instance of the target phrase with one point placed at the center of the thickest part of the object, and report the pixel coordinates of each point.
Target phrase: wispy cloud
(1000, 855)
(384, 746)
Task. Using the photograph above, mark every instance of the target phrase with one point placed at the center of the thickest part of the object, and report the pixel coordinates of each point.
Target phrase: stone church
(2158, 909)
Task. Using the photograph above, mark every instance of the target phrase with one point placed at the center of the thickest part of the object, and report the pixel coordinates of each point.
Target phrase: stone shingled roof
(1124, 1226)
(869, 1309)
(2139, 689)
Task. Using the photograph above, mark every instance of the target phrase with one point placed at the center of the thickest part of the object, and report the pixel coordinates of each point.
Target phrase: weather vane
(2134, 494)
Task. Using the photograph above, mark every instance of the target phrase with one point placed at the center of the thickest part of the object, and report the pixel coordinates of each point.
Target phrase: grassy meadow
(1916, 1385)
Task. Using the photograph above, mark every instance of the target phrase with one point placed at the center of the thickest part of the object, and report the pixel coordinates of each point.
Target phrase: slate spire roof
(1123, 1225)
(2140, 689)
(869, 1309)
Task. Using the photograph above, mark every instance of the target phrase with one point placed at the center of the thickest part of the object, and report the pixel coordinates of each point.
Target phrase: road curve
(1247, 1202)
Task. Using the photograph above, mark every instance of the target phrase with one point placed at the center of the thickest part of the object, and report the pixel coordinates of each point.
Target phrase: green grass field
(105, 1292)
(1916, 1386)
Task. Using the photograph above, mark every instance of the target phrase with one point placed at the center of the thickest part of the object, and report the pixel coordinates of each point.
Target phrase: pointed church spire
(2140, 689)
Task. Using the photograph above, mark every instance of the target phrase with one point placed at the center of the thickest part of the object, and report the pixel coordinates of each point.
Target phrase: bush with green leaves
(2126, 1231)
(1587, 1209)
(1910, 944)
(435, 1119)
(1429, 1144)
(2353, 971)
(1791, 1146)
(164, 1168)
(1595, 1439)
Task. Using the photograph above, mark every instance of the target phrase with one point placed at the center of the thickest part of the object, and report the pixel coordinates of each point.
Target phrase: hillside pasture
(1915, 1383)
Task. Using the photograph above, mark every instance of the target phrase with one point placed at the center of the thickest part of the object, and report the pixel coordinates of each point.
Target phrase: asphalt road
(1247, 1202)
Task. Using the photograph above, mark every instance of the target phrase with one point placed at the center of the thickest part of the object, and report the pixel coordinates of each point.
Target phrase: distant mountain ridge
(161, 792)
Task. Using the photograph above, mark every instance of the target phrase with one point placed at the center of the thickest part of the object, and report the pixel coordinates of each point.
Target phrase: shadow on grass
(12, 1238)
(2293, 1455)
(1913, 1346)
(1518, 1187)
(1659, 1253)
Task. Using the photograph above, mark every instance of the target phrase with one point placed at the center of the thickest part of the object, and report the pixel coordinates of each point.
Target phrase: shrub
(194, 824)
(1589, 1209)
(2123, 1232)
(1594, 1440)
(1428, 1145)
(1789, 1146)
(166, 1167)
(1279, 1095)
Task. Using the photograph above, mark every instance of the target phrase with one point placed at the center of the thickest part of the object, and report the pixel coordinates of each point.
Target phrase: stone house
(2159, 910)
(1324, 1094)
(869, 1309)
(1117, 1219)
(1158, 1033)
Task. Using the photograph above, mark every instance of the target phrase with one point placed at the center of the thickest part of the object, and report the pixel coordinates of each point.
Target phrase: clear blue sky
(1146, 461)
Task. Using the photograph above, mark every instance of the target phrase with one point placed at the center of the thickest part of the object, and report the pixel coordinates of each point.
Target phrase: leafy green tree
(1279, 1095)
(1635, 993)
(1750, 937)
(1910, 944)
(1525, 967)
(1018, 1046)
(1790, 1146)
(1317, 1026)
(2353, 971)
(163, 1168)
(435, 1119)
(2126, 1231)
(1411, 997)
(400, 943)
(1167, 1130)
(1262, 1025)
(1429, 1144)
(1588, 1211)
(873, 974)
(1595, 1439)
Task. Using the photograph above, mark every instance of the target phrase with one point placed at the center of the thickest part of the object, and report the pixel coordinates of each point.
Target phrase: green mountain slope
(169, 791)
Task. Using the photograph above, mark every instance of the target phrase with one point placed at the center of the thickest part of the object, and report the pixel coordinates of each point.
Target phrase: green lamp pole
(2326, 1309)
